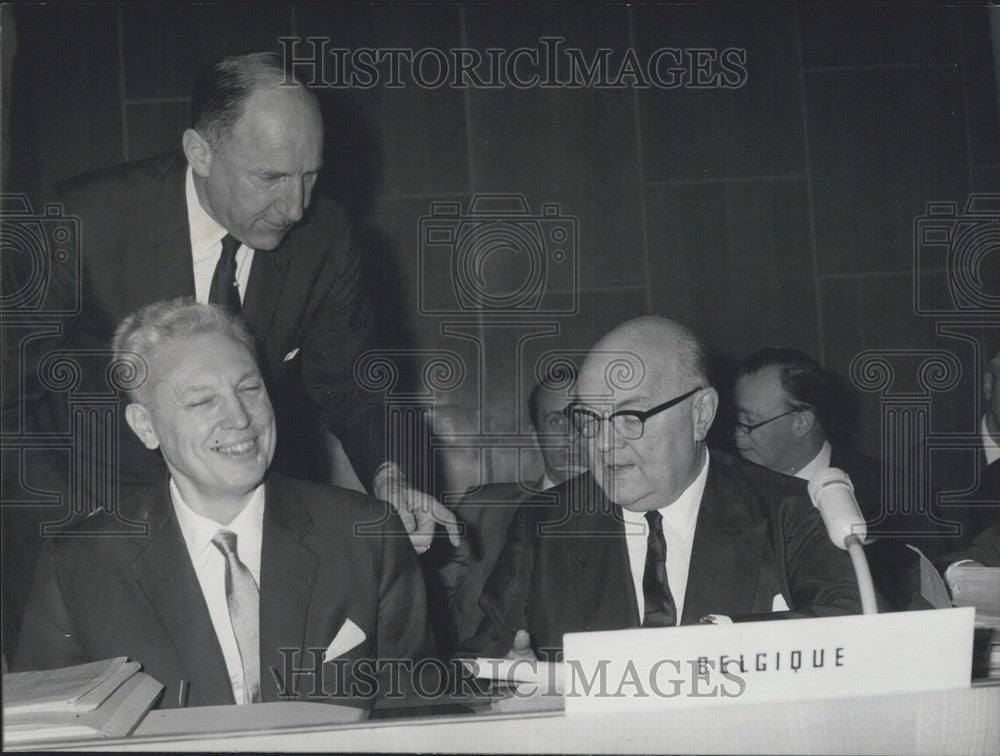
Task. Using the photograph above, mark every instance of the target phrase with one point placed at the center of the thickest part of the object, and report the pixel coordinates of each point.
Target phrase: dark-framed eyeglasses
(629, 424)
(748, 429)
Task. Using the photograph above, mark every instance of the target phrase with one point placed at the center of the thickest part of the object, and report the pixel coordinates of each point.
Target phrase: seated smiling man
(661, 532)
(238, 569)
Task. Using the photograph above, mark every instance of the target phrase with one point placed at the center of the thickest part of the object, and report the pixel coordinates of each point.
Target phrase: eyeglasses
(748, 429)
(629, 424)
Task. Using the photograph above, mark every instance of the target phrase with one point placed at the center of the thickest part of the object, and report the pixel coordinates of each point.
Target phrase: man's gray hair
(147, 331)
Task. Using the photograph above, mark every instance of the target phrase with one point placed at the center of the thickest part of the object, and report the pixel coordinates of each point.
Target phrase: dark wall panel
(778, 211)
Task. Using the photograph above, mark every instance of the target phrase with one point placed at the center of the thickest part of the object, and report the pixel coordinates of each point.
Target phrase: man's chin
(619, 493)
(264, 238)
(565, 473)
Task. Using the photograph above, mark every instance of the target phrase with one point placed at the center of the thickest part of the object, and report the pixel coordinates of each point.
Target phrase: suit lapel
(726, 554)
(602, 575)
(267, 276)
(287, 577)
(166, 576)
(168, 264)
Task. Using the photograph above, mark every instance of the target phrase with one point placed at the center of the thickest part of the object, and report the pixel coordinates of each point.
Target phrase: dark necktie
(660, 610)
(243, 599)
(225, 290)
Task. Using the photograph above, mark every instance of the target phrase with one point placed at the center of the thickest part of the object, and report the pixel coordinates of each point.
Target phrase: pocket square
(778, 603)
(349, 636)
(291, 355)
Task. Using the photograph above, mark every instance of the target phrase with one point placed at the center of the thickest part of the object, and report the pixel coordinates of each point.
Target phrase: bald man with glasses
(661, 532)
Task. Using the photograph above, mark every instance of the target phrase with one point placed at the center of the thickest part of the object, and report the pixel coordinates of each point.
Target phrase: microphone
(832, 493)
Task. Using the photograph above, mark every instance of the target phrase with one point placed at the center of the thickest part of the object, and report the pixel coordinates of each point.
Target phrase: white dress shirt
(210, 567)
(679, 520)
(990, 447)
(820, 462)
(206, 246)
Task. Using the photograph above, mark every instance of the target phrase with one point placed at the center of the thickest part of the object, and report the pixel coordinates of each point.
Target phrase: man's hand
(521, 648)
(420, 512)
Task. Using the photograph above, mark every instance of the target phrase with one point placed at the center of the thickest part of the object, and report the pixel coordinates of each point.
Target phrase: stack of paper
(100, 699)
(969, 584)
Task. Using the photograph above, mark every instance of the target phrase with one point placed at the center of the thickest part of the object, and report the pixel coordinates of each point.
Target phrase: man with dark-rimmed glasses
(788, 419)
(661, 532)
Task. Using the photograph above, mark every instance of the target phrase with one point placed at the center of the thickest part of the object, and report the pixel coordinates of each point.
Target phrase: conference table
(959, 721)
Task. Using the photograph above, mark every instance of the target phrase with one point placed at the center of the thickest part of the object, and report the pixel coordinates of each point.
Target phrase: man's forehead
(761, 389)
(185, 362)
(275, 117)
(552, 400)
(625, 374)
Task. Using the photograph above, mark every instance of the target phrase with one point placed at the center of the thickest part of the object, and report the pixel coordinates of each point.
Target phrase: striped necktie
(243, 598)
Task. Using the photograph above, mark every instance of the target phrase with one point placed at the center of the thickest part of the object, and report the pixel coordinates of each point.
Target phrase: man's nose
(236, 415)
(293, 201)
(607, 437)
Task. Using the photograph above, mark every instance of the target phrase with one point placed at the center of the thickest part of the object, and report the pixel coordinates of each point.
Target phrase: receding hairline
(666, 348)
(255, 74)
(278, 107)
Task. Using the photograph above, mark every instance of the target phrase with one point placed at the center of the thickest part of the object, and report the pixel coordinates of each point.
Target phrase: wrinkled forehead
(616, 374)
(186, 358)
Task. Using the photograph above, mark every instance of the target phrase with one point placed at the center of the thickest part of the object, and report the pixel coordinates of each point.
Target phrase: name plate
(757, 662)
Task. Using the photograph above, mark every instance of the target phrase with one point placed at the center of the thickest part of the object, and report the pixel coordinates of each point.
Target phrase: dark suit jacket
(894, 567)
(486, 512)
(866, 476)
(565, 567)
(306, 295)
(99, 597)
(985, 546)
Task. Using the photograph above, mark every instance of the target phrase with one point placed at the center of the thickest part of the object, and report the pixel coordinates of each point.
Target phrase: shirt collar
(198, 530)
(820, 462)
(205, 231)
(681, 515)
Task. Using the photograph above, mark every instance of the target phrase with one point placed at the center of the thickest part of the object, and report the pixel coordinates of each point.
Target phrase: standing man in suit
(239, 568)
(231, 219)
(660, 532)
(487, 510)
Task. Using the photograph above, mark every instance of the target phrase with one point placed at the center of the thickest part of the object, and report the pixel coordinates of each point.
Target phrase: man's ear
(140, 421)
(198, 152)
(803, 422)
(988, 385)
(703, 409)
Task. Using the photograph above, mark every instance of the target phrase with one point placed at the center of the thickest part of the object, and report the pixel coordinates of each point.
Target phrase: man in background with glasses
(487, 509)
(787, 420)
(661, 532)
(786, 415)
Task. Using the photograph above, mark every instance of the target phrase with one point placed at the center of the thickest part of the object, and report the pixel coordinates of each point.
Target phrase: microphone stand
(864, 575)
